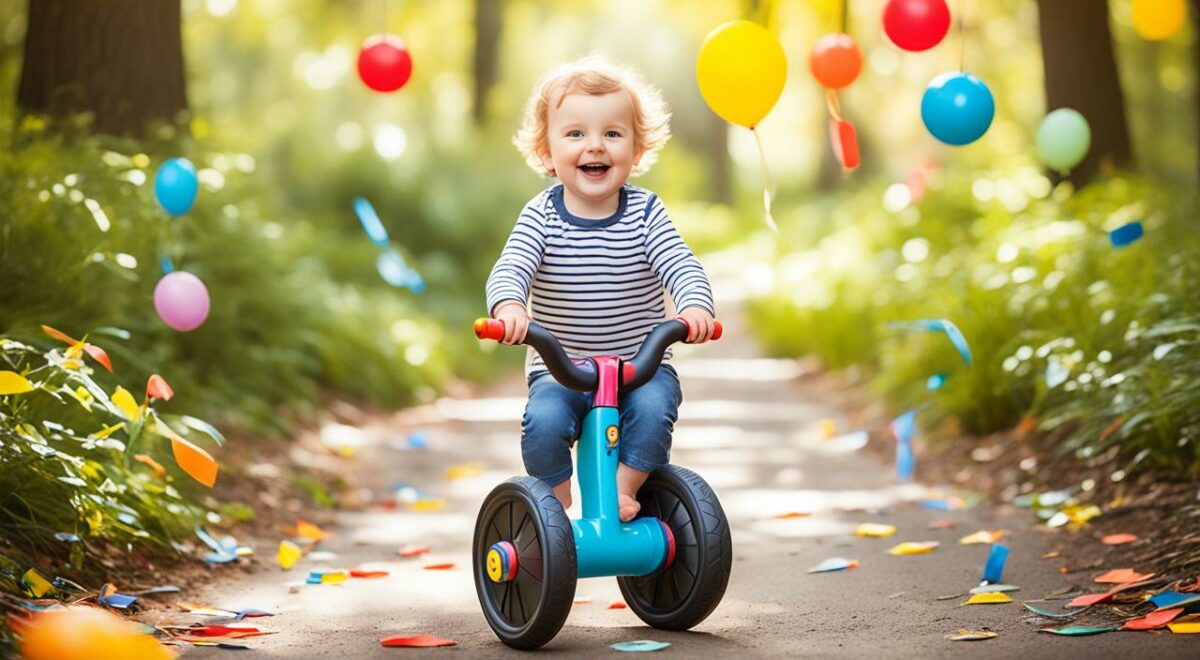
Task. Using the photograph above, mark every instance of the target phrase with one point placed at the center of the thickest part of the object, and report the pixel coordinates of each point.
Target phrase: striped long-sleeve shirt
(597, 285)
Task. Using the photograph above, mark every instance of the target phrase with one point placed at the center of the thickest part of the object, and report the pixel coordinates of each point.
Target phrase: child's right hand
(516, 321)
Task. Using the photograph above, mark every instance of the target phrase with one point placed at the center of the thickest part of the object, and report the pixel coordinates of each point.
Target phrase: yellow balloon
(741, 70)
(1156, 20)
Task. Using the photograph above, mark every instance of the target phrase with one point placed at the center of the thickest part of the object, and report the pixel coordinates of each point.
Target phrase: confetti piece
(912, 548)
(412, 550)
(875, 530)
(1170, 599)
(359, 573)
(455, 472)
(1119, 539)
(791, 514)
(66, 537)
(416, 641)
(1092, 599)
(13, 383)
(197, 608)
(251, 613)
(981, 537)
(428, 504)
(108, 596)
(1076, 631)
(945, 504)
(964, 635)
(935, 382)
(289, 554)
(989, 599)
(950, 597)
(164, 589)
(327, 577)
(834, 564)
(1122, 576)
(219, 631)
(439, 567)
(617, 605)
(1126, 234)
(196, 462)
(371, 223)
(993, 569)
(943, 524)
(903, 428)
(995, 588)
(639, 645)
(305, 529)
(1152, 620)
(1189, 628)
(35, 584)
(1051, 613)
(223, 551)
(154, 465)
(1089, 599)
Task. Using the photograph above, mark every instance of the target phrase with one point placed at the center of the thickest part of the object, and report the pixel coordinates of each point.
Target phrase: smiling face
(592, 150)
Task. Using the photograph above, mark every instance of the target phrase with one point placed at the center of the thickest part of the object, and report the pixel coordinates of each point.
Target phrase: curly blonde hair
(596, 76)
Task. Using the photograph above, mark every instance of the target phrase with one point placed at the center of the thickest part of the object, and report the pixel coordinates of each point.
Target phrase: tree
(488, 26)
(119, 60)
(1081, 73)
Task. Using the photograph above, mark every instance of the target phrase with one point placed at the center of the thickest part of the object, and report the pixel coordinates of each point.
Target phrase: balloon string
(831, 100)
(768, 183)
(962, 40)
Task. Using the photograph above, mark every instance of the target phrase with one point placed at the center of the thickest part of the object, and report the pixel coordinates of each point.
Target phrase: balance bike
(672, 563)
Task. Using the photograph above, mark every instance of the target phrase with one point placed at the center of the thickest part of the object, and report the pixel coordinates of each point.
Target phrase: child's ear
(547, 162)
(637, 155)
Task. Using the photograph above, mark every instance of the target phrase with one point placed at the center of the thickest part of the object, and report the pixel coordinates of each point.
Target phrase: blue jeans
(554, 414)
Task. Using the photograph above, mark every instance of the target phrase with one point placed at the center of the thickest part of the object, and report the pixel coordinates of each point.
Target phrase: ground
(748, 425)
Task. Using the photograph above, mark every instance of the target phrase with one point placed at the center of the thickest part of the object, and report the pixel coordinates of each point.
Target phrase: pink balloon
(181, 301)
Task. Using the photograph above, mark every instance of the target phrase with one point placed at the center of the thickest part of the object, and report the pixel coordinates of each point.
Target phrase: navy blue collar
(557, 196)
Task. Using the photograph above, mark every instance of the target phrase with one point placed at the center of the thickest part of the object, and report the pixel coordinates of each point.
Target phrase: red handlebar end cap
(628, 371)
(489, 329)
(718, 330)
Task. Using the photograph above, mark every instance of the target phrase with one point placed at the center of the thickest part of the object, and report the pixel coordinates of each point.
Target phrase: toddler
(592, 255)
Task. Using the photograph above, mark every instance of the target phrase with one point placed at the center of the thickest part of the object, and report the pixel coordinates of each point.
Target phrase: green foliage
(1028, 273)
(66, 461)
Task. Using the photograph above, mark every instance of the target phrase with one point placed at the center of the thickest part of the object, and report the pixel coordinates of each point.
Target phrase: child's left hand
(701, 324)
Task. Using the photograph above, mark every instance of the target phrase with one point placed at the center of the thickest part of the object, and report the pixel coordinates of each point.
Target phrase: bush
(1098, 344)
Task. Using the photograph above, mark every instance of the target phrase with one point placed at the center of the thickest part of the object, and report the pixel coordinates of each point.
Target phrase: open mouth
(594, 170)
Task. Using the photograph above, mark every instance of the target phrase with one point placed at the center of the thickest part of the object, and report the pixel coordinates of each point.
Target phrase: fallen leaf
(964, 635)
(617, 605)
(640, 645)
(439, 567)
(981, 537)
(914, 548)
(1122, 576)
(412, 550)
(289, 554)
(875, 530)
(834, 564)
(1153, 620)
(989, 598)
(416, 641)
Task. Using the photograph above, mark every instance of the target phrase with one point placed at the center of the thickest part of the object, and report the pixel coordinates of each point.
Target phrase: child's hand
(701, 324)
(516, 321)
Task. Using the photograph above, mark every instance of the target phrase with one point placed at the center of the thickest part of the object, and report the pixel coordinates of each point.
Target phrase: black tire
(530, 610)
(685, 593)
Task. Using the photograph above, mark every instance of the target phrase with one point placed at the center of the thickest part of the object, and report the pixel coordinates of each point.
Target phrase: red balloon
(835, 61)
(916, 25)
(384, 63)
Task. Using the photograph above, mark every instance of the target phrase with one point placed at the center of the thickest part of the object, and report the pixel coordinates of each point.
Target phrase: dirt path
(747, 429)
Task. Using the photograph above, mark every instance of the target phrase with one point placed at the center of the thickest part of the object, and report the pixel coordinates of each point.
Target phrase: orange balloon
(835, 60)
(77, 633)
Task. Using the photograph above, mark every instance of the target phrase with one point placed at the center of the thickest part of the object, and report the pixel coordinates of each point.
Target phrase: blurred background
(1089, 348)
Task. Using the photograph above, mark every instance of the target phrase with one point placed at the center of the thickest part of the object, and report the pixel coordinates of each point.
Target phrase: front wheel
(527, 591)
(686, 592)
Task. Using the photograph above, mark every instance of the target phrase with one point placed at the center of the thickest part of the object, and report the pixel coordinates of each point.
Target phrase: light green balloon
(1063, 139)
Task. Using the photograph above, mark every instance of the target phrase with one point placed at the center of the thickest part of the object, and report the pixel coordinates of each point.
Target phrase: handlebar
(580, 375)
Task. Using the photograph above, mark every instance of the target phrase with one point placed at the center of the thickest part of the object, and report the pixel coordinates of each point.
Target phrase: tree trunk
(488, 25)
(1195, 13)
(1081, 73)
(119, 60)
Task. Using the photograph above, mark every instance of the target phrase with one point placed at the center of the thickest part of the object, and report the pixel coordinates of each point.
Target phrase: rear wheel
(684, 593)
(527, 605)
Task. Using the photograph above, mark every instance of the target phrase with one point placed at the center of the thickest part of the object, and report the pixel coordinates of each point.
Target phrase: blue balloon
(957, 108)
(175, 186)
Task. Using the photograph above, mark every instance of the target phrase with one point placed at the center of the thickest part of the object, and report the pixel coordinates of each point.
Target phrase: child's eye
(613, 134)
(575, 133)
